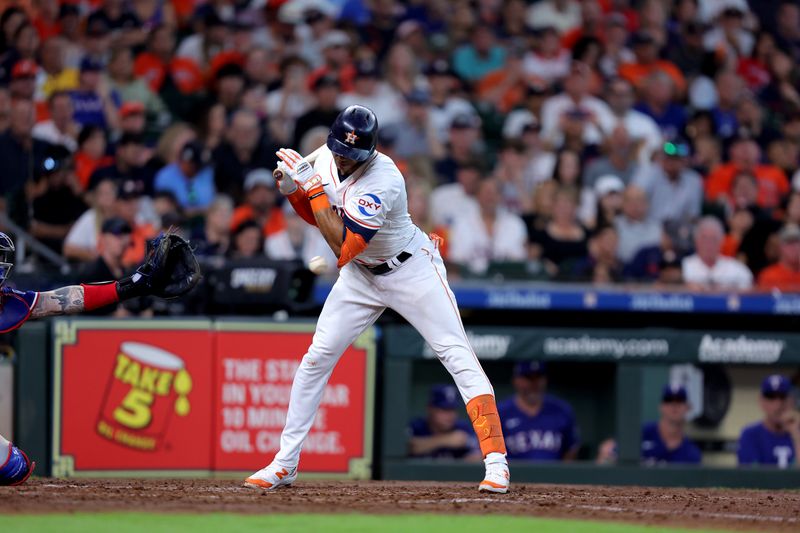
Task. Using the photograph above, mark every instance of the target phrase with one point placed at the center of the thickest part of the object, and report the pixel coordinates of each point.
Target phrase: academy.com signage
(586, 346)
(739, 350)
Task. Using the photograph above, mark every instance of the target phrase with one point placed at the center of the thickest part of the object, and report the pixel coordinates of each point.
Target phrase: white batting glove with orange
(300, 169)
(286, 183)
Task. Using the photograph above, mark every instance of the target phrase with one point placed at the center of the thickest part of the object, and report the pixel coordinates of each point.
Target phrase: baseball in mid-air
(318, 264)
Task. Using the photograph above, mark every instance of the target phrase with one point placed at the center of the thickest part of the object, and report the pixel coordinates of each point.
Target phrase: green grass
(224, 523)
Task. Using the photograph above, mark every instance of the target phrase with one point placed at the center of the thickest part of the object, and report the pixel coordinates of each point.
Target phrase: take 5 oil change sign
(132, 397)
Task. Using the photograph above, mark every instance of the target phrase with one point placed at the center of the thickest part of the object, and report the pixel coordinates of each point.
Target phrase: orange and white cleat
(271, 477)
(497, 478)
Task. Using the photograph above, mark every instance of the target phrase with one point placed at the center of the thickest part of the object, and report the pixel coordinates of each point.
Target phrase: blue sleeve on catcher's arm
(15, 308)
(358, 228)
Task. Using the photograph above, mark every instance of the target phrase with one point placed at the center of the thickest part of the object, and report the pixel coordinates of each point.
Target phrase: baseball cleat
(271, 478)
(497, 476)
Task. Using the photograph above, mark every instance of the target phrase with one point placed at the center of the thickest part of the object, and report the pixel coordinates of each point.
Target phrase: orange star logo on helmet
(351, 137)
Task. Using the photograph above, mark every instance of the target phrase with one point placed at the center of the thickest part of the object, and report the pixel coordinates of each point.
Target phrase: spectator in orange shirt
(785, 274)
(646, 51)
(91, 153)
(260, 203)
(505, 87)
(151, 65)
(745, 156)
(127, 207)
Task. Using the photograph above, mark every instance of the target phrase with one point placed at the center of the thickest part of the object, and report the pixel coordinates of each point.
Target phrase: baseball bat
(278, 175)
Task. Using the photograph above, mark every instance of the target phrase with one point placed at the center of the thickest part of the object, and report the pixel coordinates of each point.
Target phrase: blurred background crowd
(640, 141)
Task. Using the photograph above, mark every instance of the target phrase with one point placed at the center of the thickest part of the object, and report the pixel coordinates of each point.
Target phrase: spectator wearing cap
(707, 268)
(325, 90)
(615, 45)
(446, 105)
(576, 100)
(242, 150)
(416, 135)
(114, 238)
(745, 156)
(60, 128)
(645, 48)
(479, 237)
(665, 441)
(81, 241)
(775, 440)
(229, 86)
(92, 101)
(132, 118)
(607, 201)
(23, 79)
(190, 179)
(537, 426)
(548, 61)
(128, 206)
(129, 88)
(370, 92)
(480, 56)
(260, 203)
(441, 434)
(288, 102)
(21, 155)
(57, 204)
(784, 275)
(465, 144)
(641, 128)
(129, 153)
(563, 15)
(674, 190)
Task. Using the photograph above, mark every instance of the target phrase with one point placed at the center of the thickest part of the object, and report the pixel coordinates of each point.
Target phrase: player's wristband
(318, 200)
(100, 295)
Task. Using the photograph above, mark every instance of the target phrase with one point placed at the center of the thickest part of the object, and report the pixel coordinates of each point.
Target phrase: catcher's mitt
(169, 270)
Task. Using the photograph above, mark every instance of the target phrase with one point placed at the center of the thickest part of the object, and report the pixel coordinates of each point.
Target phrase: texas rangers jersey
(655, 451)
(544, 437)
(758, 445)
(372, 202)
(15, 307)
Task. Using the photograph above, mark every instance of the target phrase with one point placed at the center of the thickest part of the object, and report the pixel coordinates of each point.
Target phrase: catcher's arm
(169, 270)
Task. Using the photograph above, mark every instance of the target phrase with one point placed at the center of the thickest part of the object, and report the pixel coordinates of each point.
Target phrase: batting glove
(301, 170)
(286, 183)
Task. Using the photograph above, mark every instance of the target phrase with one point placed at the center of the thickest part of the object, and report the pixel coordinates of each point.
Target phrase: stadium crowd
(573, 140)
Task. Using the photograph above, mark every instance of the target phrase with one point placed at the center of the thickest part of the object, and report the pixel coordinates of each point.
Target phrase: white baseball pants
(419, 292)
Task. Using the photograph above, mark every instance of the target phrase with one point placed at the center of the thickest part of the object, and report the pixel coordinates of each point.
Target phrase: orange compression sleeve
(302, 206)
(353, 245)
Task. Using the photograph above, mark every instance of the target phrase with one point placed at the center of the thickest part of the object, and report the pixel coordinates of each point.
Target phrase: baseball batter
(170, 270)
(356, 196)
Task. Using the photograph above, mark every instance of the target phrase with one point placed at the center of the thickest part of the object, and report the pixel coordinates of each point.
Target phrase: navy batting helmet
(354, 133)
(6, 257)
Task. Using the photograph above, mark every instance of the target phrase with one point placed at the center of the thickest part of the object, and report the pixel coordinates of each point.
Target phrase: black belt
(384, 268)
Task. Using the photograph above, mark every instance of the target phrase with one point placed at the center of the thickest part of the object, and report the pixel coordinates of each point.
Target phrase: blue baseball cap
(674, 391)
(530, 368)
(775, 384)
(444, 397)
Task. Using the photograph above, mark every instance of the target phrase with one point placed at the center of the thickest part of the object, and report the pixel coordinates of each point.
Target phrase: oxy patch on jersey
(366, 205)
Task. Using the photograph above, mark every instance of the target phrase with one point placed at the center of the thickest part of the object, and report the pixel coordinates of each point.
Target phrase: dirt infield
(745, 510)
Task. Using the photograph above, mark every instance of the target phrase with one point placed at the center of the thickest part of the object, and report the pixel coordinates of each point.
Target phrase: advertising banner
(132, 397)
(255, 365)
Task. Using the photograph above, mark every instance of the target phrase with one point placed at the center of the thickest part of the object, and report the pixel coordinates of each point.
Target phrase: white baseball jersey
(372, 202)
(372, 198)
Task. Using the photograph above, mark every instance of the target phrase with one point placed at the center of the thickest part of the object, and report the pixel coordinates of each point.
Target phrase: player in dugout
(442, 435)
(169, 270)
(775, 440)
(537, 426)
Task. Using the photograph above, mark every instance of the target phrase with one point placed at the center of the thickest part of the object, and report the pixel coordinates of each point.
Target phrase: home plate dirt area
(746, 510)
